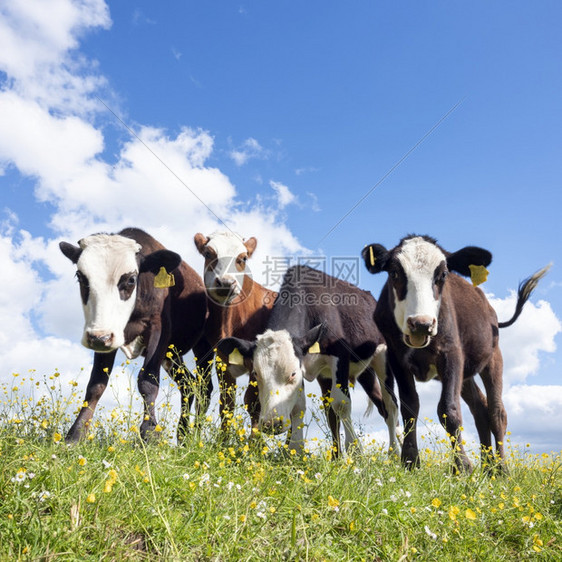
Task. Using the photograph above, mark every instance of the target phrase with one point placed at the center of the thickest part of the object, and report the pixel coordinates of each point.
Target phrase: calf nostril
(104, 339)
(421, 324)
(224, 283)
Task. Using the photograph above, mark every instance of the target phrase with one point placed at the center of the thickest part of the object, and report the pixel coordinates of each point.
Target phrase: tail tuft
(526, 287)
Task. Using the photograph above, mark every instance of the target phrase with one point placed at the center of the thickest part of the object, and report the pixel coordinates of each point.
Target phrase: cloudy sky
(317, 127)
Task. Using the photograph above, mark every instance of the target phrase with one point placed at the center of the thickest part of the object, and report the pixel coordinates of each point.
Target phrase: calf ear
(308, 342)
(251, 244)
(71, 251)
(200, 242)
(236, 350)
(375, 257)
(461, 260)
(161, 258)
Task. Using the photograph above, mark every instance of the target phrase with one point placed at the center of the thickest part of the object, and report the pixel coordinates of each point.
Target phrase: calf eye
(82, 279)
(126, 285)
(440, 277)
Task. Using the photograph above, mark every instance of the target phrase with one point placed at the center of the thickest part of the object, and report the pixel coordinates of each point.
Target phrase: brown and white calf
(123, 309)
(238, 306)
(438, 325)
(315, 308)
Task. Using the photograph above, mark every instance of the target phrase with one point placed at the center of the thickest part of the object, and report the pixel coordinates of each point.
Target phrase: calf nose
(422, 324)
(99, 340)
(224, 282)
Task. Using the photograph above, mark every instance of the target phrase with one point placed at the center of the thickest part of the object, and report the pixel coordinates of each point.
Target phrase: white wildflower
(430, 533)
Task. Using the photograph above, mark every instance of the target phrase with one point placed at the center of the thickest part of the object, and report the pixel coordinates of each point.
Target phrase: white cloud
(534, 415)
(284, 195)
(249, 149)
(38, 39)
(522, 343)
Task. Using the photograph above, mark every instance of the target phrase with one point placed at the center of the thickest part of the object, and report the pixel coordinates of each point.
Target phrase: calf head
(108, 269)
(417, 275)
(225, 263)
(277, 361)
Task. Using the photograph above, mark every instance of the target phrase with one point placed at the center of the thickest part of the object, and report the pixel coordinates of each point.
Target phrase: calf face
(417, 271)
(225, 263)
(108, 269)
(277, 360)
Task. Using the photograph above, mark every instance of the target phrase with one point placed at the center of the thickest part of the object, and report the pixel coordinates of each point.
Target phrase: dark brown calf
(437, 325)
(130, 303)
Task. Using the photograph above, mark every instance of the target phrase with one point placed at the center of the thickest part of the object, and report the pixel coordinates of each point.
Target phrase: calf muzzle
(100, 342)
(420, 331)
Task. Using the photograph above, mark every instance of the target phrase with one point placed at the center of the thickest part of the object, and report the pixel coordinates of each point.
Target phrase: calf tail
(526, 287)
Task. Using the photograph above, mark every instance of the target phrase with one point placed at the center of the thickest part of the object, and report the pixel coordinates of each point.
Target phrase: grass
(219, 497)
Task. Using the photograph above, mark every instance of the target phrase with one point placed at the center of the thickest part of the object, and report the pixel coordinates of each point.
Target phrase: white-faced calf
(436, 324)
(123, 309)
(238, 306)
(320, 327)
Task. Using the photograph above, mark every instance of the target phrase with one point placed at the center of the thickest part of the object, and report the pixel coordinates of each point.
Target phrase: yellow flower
(57, 437)
(469, 514)
(91, 498)
(436, 502)
(81, 460)
(333, 503)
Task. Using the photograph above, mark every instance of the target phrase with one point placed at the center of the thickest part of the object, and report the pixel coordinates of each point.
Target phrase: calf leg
(99, 377)
(252, 402)
(386, 379)
(296, 440)
(341, 400)
(333, 421)
(492, 378)
(410, 408)
(227, 390)
(449, 409)
(204, 385)
(477, 403)
(149, 376)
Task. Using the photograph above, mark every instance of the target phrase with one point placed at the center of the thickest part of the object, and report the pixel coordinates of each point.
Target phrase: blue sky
(281, 116)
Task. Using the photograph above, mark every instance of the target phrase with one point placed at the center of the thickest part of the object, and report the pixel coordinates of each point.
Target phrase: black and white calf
(131, 303)
(438, 325)
(320, 327)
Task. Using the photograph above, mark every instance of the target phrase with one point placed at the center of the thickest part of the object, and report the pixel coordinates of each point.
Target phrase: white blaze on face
(419, 260)
(223, 279)
(280, 378)
(108, 267)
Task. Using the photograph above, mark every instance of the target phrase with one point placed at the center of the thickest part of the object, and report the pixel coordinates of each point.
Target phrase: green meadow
(221, 496)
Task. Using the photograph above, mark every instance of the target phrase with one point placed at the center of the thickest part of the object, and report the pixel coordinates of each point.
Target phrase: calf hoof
(147, 430)
(410, 458)
(72, 439)
(462, 466)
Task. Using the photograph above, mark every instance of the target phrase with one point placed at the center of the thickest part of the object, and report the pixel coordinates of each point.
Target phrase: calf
(131, 303)
(320, 327)
(238, 306)
(438, 325)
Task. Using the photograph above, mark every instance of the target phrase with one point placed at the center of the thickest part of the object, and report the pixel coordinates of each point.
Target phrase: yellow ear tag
(235, 358)
(164, 279)
(478, 274)
(315, 348)
(372, 256)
